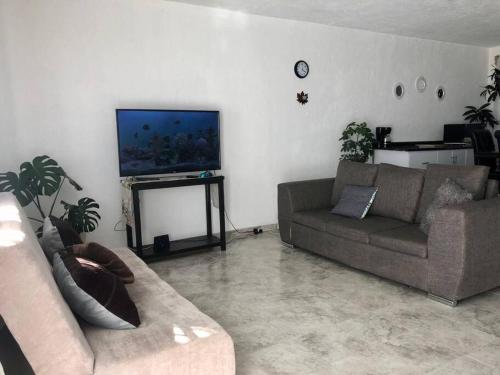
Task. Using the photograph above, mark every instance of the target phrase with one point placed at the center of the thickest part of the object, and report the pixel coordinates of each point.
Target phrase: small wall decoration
(302, 97)
(420, 84)
(399, 90)
(440, 93)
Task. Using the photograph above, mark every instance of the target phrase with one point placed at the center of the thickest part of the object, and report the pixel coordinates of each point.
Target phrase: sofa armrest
(299, 196)
(464, 250)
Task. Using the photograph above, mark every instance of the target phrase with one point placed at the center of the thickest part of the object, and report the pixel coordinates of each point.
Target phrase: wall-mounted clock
(301, 69)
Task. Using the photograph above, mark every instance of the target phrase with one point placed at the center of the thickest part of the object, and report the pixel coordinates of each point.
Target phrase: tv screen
(167, 141)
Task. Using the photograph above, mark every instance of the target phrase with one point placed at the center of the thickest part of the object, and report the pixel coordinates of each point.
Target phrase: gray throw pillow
(447, 194)
(355, 201)
(352, 173)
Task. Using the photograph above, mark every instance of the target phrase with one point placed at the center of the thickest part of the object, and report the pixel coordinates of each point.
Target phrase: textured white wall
(496, 105)
(66, 66)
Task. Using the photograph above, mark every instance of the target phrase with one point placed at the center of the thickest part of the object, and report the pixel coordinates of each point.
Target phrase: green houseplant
(482, 115)
(44, 177)
(357, 142)
(492, 89)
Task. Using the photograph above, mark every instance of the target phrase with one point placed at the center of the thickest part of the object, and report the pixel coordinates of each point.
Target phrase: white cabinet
(420, 159)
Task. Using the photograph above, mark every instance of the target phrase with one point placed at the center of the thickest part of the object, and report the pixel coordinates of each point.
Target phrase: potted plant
(357, 142)
(44, 177)
(492, 89)
(482, 115)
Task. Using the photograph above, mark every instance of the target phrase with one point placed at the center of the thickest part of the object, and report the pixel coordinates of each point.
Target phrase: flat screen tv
(154, 142)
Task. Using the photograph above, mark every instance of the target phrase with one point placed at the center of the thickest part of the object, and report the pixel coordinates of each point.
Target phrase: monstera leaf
(83, 216)
(20, 186)
(45, 174)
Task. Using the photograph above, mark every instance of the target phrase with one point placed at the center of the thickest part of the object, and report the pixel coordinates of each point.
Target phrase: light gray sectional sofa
(174, 336)
(459, 258)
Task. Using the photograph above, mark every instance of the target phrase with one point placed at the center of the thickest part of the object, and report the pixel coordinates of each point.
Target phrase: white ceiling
(475, 22)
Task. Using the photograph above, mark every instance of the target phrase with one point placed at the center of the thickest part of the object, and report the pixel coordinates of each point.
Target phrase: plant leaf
(83, 216)
(18, 185)
(44, 174)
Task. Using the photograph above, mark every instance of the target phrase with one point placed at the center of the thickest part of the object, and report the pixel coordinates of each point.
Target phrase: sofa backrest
(399, 191)
(471, 178)
(34, 309)
(352, 173)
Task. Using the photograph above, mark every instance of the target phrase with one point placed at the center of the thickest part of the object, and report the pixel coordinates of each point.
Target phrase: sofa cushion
(352, 173)
(94, 293)
(449, 193)
(360, 230)
(407, 240)
(34, 309)
(471, 178)
(316, 219)
(174, 336)
(355, 201)
(399, 191)
(105, 258)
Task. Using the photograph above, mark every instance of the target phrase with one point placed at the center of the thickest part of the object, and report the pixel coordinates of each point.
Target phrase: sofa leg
(286, 244)
(446, 301)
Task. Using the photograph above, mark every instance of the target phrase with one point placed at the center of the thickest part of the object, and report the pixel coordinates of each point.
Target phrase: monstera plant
(43, 177)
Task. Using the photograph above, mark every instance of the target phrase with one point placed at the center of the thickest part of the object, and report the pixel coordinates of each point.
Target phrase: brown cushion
(352, 173)
(360, 230)
(472, 178)
(407, 240)
(399, 191)
(94, 293)
(69, 236)
(105, 258)
(56, 235)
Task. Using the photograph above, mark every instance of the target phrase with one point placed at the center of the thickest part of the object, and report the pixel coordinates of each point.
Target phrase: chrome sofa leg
(289, 245)
(446, 301)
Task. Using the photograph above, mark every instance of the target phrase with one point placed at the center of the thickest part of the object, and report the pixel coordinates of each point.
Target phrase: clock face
(301, 69)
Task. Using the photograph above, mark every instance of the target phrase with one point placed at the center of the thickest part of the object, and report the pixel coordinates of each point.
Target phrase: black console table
(185, 245)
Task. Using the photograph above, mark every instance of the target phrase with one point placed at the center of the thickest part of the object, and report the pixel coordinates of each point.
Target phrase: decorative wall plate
(440, 93)
(399, 90)
(420, 84)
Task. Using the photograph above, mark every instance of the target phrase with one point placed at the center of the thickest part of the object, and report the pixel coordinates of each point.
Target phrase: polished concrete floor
(292, 312)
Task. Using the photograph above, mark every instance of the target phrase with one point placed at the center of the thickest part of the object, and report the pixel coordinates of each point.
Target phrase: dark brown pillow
(68, 235)
(56, 235)
(94, 293)
(106, 258)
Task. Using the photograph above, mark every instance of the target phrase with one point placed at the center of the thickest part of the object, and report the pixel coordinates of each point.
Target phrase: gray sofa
(174, 336)
(459, 258)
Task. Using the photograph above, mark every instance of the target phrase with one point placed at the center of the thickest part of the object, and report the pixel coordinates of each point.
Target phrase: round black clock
(301, 69)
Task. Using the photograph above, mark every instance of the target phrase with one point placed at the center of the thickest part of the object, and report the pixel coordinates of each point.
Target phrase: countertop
(424, 146)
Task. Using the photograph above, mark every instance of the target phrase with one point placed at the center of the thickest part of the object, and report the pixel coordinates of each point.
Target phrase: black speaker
(161, 244)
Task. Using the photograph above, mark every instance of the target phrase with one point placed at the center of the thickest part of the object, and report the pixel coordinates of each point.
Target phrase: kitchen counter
(421, 154)
(424, 146)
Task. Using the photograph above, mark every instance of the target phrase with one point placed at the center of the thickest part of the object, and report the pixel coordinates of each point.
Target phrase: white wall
(66, 66)
(496, 105)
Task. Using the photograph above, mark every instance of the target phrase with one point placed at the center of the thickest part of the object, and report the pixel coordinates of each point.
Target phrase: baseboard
(248, 230)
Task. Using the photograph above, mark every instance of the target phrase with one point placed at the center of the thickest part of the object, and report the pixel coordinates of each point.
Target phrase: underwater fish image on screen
(158, 142)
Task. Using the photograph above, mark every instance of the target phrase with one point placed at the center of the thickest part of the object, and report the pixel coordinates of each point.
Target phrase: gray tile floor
(292, 312)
